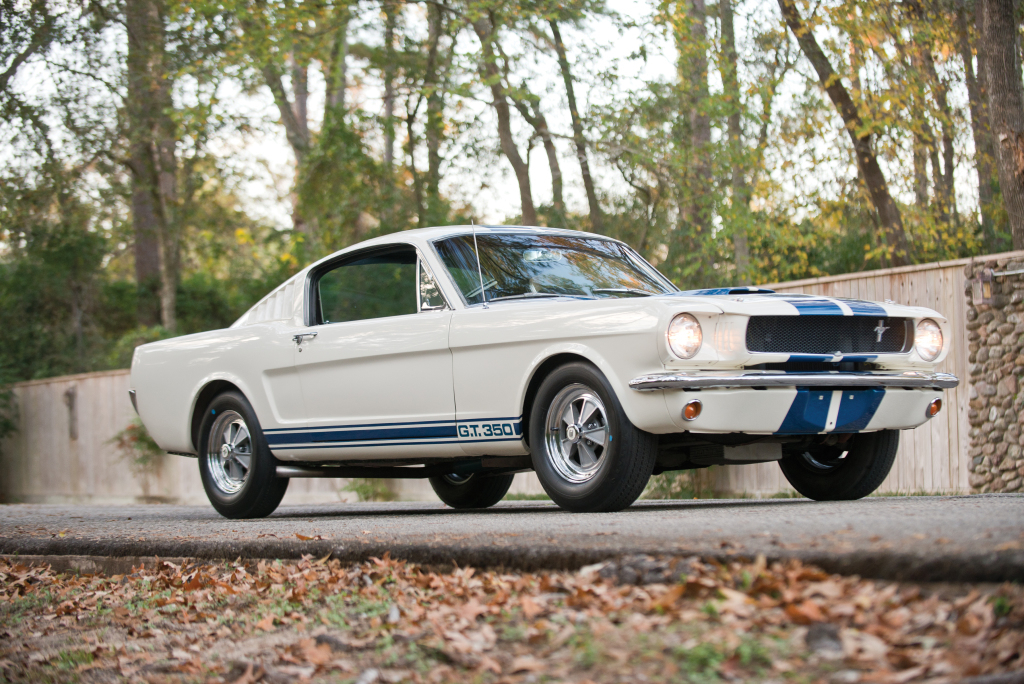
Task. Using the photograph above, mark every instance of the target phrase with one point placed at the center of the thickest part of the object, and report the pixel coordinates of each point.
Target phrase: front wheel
(834, 474)
(238, 471)
(587, 454)
(471, 491)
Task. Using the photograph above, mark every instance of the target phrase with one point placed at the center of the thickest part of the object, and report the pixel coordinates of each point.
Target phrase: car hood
(768, 303)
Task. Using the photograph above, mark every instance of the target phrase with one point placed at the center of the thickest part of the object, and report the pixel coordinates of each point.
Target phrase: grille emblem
(880, 329)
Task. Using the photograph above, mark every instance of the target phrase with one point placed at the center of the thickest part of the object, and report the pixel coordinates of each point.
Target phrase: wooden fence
(933, 457)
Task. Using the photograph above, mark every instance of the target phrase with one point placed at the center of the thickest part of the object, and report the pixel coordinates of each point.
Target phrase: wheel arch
(540, 372)
(207, 394)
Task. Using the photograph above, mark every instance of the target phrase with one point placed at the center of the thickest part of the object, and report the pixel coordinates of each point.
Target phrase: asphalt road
(956, 538)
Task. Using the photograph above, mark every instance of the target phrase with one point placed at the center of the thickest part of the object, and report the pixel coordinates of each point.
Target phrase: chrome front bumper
(731, 379)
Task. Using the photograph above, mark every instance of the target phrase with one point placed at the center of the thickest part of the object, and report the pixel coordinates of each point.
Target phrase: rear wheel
(238, 471)
(471, 491)
(586, 453)
(843, 473)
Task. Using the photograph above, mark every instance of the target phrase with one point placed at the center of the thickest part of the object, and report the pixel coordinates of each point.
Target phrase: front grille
(826, 334)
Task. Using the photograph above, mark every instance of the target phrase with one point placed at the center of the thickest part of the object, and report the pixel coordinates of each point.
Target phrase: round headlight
(928, 340)
(684, 336)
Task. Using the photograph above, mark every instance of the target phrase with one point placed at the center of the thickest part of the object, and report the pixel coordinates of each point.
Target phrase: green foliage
(681, 484)
(527, 497)
(72, 659)
(701, 662)
(137, 447)
(1001, 606)
(370, 489)
(124, 347)
(49, 279)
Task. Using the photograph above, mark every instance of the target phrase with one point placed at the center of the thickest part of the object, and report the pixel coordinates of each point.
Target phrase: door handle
(299, 336)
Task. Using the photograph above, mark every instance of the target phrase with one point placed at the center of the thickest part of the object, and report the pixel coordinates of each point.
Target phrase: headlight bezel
(680, 325)
(922, 344)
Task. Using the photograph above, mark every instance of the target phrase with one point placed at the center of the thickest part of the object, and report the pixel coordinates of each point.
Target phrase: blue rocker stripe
(392, 444)
(364, 434)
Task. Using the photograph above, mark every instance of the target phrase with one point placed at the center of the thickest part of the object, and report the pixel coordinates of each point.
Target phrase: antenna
(479, 270)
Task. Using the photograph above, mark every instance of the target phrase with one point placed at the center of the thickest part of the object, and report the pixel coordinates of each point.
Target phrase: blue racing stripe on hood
(721, 291)
(816, 307)
(862, 308)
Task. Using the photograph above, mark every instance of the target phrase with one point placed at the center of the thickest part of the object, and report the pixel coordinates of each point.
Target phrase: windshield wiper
(529, 295)
(624, 290)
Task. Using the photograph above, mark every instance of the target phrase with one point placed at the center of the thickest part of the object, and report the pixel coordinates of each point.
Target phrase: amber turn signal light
(692, 409)
(934, 407)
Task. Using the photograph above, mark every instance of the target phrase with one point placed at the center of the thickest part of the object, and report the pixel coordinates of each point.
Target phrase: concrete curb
(118, 556)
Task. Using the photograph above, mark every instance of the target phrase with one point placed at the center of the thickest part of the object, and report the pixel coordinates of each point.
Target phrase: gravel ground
(947, 538)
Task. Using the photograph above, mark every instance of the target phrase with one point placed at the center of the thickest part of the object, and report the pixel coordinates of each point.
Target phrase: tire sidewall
(843, 481)
(262, 466)
(479, 490)
(560, 490)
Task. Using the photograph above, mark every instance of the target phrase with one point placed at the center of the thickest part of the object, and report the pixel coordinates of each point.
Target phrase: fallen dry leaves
(629, 620)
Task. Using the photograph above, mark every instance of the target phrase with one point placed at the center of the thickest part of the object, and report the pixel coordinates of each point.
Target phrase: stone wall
(996, 365)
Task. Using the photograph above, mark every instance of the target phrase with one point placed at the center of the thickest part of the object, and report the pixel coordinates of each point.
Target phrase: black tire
(823, 476)
(259, 491)
(471, 491)
(616, 470)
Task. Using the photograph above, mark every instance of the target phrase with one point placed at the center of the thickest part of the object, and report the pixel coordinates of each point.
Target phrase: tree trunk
(166, 165)
(301, 90)
(296, 132)
(434, 125)
(417, 182)
(337, 76)
(596, 218)
(867, 162)
(740, 189)
(142, 27)
(984, 151)
(693, 68)
(553, 166)
(944, 188)
(489, 71)
(152, 160)
(920, 170)
(1006, 106)
(539, 123)
(390, 19)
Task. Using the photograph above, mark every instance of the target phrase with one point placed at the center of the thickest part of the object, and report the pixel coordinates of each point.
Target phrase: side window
(374, 286)
(430, 294)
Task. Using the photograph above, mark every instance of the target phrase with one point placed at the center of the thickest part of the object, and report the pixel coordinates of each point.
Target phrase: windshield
(527, 266)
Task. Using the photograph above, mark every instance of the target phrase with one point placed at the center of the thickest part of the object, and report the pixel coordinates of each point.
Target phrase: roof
(448, 231)
(440, 232)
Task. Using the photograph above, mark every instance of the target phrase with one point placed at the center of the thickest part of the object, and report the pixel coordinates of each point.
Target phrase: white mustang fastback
(465, 355)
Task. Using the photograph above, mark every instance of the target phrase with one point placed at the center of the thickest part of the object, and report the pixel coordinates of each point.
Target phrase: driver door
(375, 369)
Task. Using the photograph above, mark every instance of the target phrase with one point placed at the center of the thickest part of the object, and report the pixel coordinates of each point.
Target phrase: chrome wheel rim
(455, 479)
(229, 452)
(825, 464)
(577, 433)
